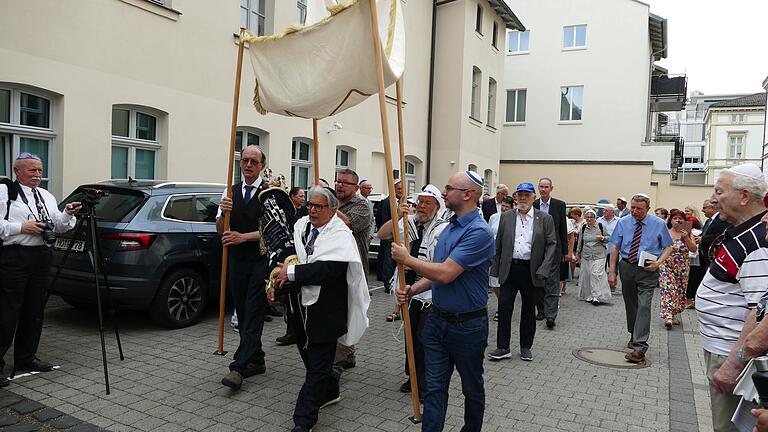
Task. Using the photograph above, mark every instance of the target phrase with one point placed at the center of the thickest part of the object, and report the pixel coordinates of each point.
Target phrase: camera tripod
(93, 248)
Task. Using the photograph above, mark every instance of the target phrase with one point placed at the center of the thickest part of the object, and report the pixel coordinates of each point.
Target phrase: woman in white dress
(591, 252)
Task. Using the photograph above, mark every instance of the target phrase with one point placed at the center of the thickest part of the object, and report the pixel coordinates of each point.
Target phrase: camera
(92, 196)
(48, 236)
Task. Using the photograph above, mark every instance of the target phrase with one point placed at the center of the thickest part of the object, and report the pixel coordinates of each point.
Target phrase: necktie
(41, 211)
(248, 192)
(635, 246)
(706, 225)
(310, 246)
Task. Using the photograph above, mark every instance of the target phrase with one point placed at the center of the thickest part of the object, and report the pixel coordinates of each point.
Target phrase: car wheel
(181, 299)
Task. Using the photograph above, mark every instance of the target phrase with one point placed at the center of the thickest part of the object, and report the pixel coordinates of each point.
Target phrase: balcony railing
(668, 92)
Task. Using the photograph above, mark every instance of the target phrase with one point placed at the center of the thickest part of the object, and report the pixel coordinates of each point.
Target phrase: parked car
(597, 207)
(160, 247)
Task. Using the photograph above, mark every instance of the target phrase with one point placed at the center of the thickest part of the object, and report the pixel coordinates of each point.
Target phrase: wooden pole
(401, 141)
(315, 153)
(393, 206)
(230, 173)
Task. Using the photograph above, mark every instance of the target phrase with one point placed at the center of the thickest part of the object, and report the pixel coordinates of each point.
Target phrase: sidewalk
(170, 379)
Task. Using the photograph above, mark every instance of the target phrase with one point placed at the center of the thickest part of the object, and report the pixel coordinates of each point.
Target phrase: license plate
(63, 244)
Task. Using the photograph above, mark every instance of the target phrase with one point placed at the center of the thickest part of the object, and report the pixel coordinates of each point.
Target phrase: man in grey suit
(525, 254)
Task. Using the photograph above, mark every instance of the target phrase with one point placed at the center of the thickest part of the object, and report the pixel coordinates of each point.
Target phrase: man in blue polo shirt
(456, 332)
(635, 237)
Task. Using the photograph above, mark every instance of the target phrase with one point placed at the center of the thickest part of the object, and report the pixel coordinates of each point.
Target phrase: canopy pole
(230, 173)
(315, 153)
(393, 206)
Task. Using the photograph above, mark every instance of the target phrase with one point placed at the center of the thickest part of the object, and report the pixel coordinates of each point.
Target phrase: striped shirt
(736, 280)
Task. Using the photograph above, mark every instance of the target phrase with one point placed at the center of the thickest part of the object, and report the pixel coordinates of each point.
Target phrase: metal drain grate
(608, 358)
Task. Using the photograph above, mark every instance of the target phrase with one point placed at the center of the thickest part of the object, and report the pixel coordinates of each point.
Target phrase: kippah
(748, 170)
(475, 177)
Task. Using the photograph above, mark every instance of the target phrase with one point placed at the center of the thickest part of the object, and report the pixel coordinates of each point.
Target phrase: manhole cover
(608, 358)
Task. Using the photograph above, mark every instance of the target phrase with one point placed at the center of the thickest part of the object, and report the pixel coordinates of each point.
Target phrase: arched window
(135, 142)
(487, 181)
(345, 158)
(26, 125)
(301, 163)
(410, 176)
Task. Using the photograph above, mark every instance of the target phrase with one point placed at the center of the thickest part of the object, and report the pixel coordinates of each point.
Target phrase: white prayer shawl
(319, 70)
(336, 243)
(431, 233)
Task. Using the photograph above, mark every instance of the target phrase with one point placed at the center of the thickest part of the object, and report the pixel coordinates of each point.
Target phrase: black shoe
(539, 316)
(286, 339)
(36, 365)
(300, 429)
(254, 369)
(4, 379)
(346, 364)
(267, 318)
(272, 311)
(550, 323)
(406, 387)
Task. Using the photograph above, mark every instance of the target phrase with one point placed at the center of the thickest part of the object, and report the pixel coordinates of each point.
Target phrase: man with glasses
(355, 213)
(635, 239)
(456, 332)
(732, 287)
(25, 262)
(248, 267)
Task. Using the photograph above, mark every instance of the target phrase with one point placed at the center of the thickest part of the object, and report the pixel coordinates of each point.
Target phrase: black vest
(245, 219)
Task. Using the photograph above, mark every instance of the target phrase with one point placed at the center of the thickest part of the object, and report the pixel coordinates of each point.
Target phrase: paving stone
(64, 422)
(7, 420)
(27, 407)
(8, 399)
(21, 428)
(46, 414)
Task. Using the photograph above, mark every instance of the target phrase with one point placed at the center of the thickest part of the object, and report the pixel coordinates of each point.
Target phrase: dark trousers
(246, 283)
(321, 383)
(637, 287)
(461, 345)
(24, 281)
(519, 279)
(695, 276)
(417, 311)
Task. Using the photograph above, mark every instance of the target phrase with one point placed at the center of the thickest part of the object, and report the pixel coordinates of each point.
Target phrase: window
(249, 138)
(487, 180)
(253, 16)
(491, 102)
(135, 144)
(516, 105)
(575, 36)
(571, 102)
(192, 208)
(410, 178)
(475, 108)
(301, 162)
(345, 158)
(479, 20)
(495, 35)
(518, 41)
(735, 146)
(25, 126)
(738, 118)
(301, 8)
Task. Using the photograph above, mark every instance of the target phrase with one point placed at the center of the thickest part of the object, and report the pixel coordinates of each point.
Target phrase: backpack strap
(13, 193)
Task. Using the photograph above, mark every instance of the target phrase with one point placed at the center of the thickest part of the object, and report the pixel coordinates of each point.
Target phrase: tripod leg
(91, 254)
(112, 313)
(75, 233)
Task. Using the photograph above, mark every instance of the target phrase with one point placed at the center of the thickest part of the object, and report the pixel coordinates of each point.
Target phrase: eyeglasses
(339, 182)
(449, 188)
(249, 161)
(318, 207)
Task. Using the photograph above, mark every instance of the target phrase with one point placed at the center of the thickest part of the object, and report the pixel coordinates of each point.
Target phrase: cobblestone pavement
(170, 379)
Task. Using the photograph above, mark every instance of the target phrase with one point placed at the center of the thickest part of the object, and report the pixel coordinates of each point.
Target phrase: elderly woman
(591, 252)
(673, 273)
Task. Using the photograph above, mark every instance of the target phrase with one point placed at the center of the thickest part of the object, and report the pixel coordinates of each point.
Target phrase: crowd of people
(308, 253)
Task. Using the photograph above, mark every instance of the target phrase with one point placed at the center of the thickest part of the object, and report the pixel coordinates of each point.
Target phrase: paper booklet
(645, 256)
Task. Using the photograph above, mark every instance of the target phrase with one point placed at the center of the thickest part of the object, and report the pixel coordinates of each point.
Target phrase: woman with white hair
(591, 252)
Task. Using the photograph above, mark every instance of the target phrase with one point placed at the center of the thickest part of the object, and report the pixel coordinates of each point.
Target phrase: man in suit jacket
(713, 227)
(549, 298)
(319, 310)
(493, 205)
(526, 251)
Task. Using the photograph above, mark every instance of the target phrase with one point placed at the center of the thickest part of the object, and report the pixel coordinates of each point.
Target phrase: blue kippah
(475, 177)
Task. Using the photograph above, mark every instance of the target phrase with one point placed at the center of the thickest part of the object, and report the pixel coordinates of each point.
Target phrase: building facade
(582, 92)
(734, 133)
(98, 99)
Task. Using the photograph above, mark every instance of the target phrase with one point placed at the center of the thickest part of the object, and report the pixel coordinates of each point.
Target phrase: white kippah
(475, 177)
(748, 170)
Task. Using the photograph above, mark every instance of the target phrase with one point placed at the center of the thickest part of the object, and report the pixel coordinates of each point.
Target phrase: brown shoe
(254, 369)
(635, 357)
(233, 380)
(631, 344)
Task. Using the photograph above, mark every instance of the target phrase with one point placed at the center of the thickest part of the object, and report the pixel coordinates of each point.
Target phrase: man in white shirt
(621, 207)
(26, 261)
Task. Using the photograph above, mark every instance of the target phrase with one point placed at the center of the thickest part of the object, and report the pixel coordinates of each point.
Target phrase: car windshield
(110, 208)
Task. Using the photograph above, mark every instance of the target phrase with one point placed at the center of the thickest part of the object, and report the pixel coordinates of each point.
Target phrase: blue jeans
(447, 345)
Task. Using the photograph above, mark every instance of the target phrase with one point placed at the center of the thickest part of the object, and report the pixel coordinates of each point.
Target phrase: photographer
(30, 215)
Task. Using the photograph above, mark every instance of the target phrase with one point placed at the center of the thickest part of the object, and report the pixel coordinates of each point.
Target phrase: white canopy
(324, 68)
